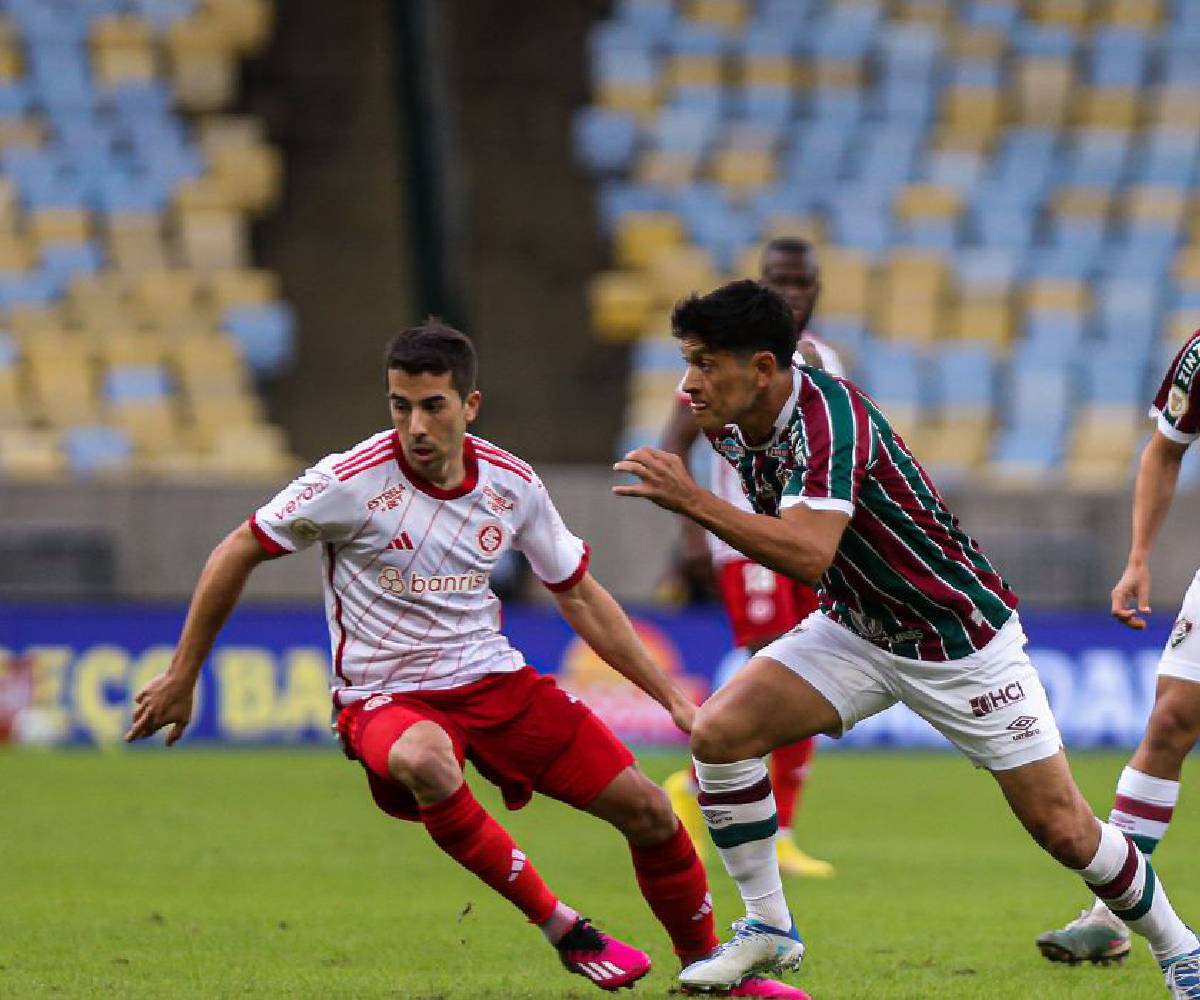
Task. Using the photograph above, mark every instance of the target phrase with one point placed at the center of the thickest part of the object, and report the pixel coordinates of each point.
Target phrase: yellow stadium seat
(258, 451)
(202, 63)
(986, 318)
(652, 396)
(15, 253)
(21, 132)
(1181, 324)
(62, 383)
(674, 272)
(927, 202)
(246, 22)
(1102, 445)
(769, 71)
(1056, 295)
(212, 239)
(637, 97)
(962, 137)
(666, 168)
(51, 225)
(728, 15)
(121, 31)
(15, 411)
(1063, 13)
(153, 425)
(26, 453)
(836, 74)
(11, 63)
(160, 296)
(1082, 202)
(136, 241)
(1186, 269)
(1041, 90)
(975, 43)
(743, 171)
(209, 365)
(1144, 14)
(240, 287)
(933, 12)
(124, 64)
(1155, 205)
(131, 347)
(971, 110)
(619, 302)
(639, 235)
(1176, 106)
(252, 173)
(956, 442)
(1115, 108)
(688, 69)
(845, 280)
(912, 298)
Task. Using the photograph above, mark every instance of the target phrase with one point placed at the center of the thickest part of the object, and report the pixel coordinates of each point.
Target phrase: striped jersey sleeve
(1177, 404)
(832, 444)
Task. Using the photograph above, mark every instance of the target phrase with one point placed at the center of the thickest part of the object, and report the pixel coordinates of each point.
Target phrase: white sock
(1124, 879)
(561, 920)
(739, 810)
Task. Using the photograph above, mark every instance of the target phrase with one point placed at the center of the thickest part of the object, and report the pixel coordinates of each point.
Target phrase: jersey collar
(469, 482)
(782, 420)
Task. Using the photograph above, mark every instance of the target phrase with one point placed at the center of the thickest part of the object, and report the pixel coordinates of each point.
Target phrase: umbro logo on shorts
(1023, 725)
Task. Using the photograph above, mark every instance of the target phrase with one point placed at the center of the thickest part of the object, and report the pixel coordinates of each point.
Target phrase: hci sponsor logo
(986, 704)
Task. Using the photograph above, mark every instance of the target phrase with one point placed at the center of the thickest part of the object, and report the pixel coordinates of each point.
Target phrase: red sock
(673, 881)
(788, 767)
(462, 828)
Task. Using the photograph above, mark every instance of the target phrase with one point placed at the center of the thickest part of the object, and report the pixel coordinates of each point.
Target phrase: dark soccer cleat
(1095, 936)
(607, 962)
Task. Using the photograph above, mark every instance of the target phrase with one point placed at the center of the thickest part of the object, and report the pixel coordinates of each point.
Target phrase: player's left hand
(664, 478)
(165, 701)
(683, 714)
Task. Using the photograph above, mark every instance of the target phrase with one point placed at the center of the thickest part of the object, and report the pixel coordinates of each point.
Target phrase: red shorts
(761, 603)
(521, 731)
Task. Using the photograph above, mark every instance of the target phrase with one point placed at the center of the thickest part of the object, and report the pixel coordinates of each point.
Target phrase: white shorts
(1181, 654)
(991, 704)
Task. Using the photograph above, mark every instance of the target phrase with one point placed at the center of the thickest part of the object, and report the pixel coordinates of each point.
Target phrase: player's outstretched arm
(1158, 474)
(167, 700)
(600, 622)
(801, 543)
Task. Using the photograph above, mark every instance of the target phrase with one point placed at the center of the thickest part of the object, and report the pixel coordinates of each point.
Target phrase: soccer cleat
(682, 794)
(794, 861)
(755, 986)
(754, 948)
(1094, 936)
(607, 962)
(1183, 976)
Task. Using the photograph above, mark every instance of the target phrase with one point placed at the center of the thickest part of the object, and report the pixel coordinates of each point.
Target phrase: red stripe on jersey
(492, 460)
(484, 448)
(470, 466)
(1143, 810)
(575, 577)
(271, 547)
(363, 455)
(382, 460)
(337, 617)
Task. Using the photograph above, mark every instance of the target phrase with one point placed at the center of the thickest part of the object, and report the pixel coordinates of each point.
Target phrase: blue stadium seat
(617, 198)
(1115, 375)
(1073, 262)
(63, 261)
(656, 354)
(1118, 58)
(963, 376)
(97, 450)
(1166, 157)
(975, 73)
(839, 107)
(163, 13)
(136, 383)
(818, 151)
(767, 104)
(1002, 226)
(265, 333)
(986, 267)
(690, 38)
(892, 373)
(982, 14)
(1096, 159)
(684, 129)
(1032, 39)
(29, 288)
(604, 140)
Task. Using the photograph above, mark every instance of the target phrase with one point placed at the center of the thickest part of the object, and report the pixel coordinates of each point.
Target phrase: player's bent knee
(1067, 837)
(1172, 731)
(715, 740)
(423, 759)
(647, 817)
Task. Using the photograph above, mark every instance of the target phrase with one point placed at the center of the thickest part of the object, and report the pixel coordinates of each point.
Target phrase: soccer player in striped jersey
(912, 611)
(761, 604)
(411, 523)
(1148, 788)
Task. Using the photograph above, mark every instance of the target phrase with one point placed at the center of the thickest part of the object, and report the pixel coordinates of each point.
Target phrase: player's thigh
(814, 679)
(1173, 727)
(990, 705)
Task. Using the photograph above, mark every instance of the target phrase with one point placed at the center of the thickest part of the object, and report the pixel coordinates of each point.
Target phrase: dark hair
(742, 316)
(788, 244)
(435, 348)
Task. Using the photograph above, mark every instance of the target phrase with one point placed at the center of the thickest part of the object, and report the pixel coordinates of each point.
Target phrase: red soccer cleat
(607, 962)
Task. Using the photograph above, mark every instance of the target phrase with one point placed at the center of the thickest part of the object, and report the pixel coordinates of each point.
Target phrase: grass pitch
(264, 873)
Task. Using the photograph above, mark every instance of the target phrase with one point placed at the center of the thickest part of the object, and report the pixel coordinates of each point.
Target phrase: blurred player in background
(1148, 788)
(761, 604)
(411, 522)
(912, 611)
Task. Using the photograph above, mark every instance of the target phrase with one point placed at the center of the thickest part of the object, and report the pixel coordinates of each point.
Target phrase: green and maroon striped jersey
(905, 577)
(1177, 403)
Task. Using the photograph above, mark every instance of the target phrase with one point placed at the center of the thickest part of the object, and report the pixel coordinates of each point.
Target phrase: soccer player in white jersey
(1148, 788)
(410, 523)
(761, 604)
(912, 611)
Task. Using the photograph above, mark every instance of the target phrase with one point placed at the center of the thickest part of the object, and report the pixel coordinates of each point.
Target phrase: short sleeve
(1177, 404)
(831, 440)
(558, 558)
(315, 507)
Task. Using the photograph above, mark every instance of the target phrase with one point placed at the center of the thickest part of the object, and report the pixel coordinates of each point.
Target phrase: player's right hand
(1131, 596)
(165, 701)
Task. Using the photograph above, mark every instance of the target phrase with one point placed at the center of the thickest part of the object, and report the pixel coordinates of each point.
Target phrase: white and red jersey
(406, 564)
(724, 480)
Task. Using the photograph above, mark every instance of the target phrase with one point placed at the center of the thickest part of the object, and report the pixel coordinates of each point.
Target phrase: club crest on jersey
(1176, 401)
(490, 538)
(377, 701)
(389, 499)
(391, 580)
(730, 448)
(1179, 632)
(305, 529)
(497, 503)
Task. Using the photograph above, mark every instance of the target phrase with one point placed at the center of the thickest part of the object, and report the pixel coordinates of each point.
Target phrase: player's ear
(764, 365)
(471, 404)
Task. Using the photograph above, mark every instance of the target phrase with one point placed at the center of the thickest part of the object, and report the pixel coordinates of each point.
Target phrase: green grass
(270, 874)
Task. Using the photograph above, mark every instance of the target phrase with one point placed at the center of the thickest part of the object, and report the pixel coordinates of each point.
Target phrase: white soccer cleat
(754, 948)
